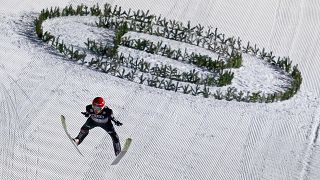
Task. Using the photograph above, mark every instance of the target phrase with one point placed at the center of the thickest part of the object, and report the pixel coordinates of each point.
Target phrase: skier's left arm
(116, 122)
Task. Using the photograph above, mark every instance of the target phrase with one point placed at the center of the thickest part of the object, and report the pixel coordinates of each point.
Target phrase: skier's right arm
(86, 114)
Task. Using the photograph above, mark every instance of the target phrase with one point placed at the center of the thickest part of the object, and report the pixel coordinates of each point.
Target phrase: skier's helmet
(98, 104)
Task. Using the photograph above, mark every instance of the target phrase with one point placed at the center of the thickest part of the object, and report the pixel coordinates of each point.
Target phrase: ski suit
(102, 119)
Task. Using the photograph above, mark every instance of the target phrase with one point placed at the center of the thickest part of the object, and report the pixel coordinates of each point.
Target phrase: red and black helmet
(98, 102)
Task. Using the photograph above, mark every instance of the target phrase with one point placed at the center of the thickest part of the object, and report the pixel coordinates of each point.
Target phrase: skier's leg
(116, 142)
(84, 131)
(114, 136)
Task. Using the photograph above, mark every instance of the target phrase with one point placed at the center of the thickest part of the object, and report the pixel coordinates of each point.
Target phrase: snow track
(175, 136)
(310, 163)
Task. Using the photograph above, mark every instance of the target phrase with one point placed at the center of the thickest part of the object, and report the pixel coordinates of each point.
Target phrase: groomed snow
(175, 136)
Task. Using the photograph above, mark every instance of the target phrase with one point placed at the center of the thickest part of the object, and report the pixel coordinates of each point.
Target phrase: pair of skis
(115, 161)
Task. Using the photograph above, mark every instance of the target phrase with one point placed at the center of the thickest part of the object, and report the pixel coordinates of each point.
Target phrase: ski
(64, 125)
(123, 151)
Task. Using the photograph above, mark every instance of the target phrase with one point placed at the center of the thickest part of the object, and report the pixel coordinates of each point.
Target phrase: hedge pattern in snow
(229, 51)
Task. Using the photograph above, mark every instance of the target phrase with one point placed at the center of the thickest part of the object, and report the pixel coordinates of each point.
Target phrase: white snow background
(175, 136)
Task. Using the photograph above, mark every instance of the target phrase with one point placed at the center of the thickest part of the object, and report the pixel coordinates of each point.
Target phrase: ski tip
(128, 140)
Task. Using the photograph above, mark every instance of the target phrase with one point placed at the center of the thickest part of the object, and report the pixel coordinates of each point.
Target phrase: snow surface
(175, 136)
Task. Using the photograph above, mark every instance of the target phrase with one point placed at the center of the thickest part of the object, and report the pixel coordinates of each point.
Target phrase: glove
(117, 123)
(86, 114)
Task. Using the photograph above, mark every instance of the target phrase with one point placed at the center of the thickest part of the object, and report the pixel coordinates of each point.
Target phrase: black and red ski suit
(102, 119)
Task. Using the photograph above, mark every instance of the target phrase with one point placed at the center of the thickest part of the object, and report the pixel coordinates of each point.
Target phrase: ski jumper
(102, 119)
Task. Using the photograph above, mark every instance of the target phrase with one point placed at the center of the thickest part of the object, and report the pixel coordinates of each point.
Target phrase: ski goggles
(97, 108)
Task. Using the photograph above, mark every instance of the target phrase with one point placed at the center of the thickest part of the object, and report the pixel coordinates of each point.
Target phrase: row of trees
(182, 55)
(109, 61)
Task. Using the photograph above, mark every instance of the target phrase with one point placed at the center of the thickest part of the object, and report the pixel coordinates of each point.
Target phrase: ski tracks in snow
(310, 164)
(173, 136)
(8, 116)
(24, 102)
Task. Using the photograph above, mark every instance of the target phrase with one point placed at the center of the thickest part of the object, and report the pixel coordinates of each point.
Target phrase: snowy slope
(175, 136)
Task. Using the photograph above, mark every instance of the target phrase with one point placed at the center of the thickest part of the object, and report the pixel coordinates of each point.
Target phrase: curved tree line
(109, 60)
